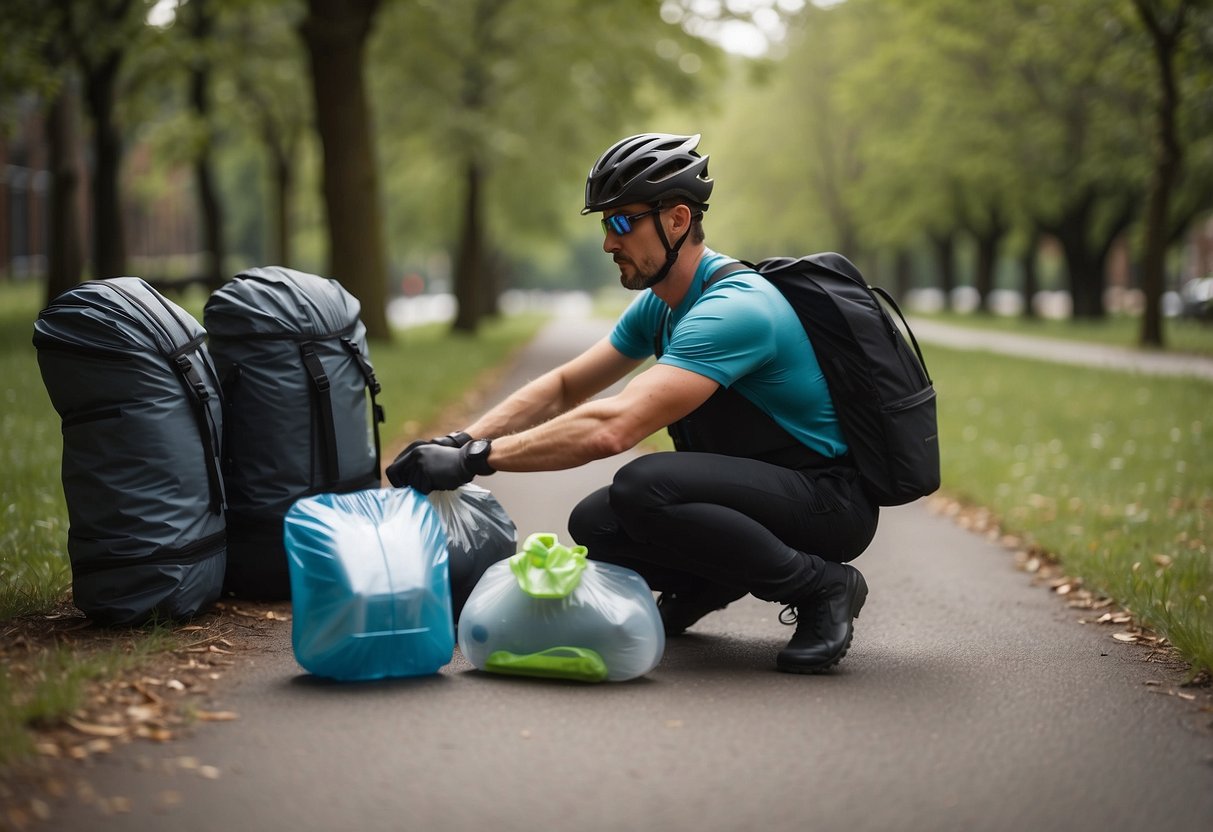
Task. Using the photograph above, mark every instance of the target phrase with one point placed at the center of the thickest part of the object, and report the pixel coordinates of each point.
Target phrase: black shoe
(679, 610)
(823, 624)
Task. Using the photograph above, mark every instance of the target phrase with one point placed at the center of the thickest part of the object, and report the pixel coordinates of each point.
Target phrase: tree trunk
(987, 258)
(335, 34)
(1168, 156)
(944, 245)
(1083, 271)
(109, 243)
(903, 268)
(208, 198)
(66, 250)
(1031, 274)
(469, 260)
(282, 188)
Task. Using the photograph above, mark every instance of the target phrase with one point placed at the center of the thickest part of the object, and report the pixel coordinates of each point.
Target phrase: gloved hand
(429, 466)
(455, 439)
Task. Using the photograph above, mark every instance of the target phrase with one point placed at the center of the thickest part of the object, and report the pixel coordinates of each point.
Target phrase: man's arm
(556, 391)
(600, 428)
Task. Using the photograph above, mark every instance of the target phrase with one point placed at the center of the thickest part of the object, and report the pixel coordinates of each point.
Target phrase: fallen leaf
(1127, 637)
(209, 772)
(142, 713)
(95, 730)
(217, 716)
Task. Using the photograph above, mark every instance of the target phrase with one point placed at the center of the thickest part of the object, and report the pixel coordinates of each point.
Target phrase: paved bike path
(971, 700)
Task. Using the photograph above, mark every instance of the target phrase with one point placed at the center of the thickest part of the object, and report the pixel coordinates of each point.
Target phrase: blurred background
(1019, 157)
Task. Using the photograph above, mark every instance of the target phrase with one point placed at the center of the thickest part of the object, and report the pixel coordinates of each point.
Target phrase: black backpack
(128, 372)
(881, 390)
(291, 353)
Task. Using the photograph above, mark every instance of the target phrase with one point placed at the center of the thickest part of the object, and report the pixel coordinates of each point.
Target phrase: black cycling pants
(691, 521)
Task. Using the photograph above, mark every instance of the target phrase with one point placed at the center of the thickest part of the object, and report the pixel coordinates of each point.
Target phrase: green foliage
(427, 370)
(34, 571)
(532, 92)
(1110, 472)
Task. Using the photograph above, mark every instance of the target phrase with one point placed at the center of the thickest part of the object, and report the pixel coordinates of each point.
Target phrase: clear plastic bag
(369, 585)
(479, 533)
(549, 611)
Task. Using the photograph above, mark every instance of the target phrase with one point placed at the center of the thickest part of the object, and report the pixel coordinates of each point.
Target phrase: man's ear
(681, 216)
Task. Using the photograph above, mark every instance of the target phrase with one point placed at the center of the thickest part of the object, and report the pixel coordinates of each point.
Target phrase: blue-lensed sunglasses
(623, 223)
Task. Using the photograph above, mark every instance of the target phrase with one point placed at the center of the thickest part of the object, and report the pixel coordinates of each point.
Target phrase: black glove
(455, 439)
(428, 466)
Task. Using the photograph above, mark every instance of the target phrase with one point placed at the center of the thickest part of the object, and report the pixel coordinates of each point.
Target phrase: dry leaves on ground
(160, 697)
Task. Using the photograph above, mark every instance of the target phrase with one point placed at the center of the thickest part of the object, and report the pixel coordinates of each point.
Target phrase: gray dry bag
(128, 372)
(292, 357)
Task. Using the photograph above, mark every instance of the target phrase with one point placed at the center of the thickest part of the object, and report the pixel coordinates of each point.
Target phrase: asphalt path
(971, 700)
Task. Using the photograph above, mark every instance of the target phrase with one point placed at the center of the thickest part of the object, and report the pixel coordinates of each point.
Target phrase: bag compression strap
(323, 406)
(199, 396)
(372, 384)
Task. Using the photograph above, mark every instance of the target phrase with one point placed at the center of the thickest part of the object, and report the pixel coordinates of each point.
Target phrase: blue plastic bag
(370, 585)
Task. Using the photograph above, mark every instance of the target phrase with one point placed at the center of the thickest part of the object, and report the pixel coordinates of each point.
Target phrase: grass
(423, 372)
(34, 571)
(41, 688)
(426, 371)
(1182, 335)
(1111, 473)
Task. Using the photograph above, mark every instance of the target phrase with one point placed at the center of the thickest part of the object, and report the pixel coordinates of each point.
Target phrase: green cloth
(546, 568)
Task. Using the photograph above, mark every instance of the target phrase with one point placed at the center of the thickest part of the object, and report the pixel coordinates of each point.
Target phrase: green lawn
(1180, 334)
(1112, 473)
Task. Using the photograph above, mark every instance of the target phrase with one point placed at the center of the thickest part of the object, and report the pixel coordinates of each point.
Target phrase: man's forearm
(593, 430)
(533, 404)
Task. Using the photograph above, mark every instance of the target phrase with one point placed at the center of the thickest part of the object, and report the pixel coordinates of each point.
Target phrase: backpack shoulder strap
(728, 269)
(720, 274)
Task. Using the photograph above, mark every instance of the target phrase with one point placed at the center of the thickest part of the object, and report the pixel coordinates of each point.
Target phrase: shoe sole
(812, 670)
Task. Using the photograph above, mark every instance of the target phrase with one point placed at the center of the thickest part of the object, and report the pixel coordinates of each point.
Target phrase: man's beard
(640, 274)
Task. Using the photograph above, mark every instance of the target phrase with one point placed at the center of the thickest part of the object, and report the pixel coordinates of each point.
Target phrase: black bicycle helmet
(649, 167)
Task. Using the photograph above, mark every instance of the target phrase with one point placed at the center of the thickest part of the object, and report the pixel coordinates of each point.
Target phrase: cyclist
(760, 497)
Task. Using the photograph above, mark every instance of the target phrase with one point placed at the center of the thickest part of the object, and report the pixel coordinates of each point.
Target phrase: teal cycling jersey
(742, 334)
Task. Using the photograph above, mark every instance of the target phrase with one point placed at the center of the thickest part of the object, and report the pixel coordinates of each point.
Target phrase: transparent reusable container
(550, 612)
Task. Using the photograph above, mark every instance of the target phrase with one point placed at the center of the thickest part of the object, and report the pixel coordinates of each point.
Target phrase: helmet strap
(671, 252)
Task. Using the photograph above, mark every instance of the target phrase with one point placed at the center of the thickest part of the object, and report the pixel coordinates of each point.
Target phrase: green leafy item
(578, 663)
(548, 570)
